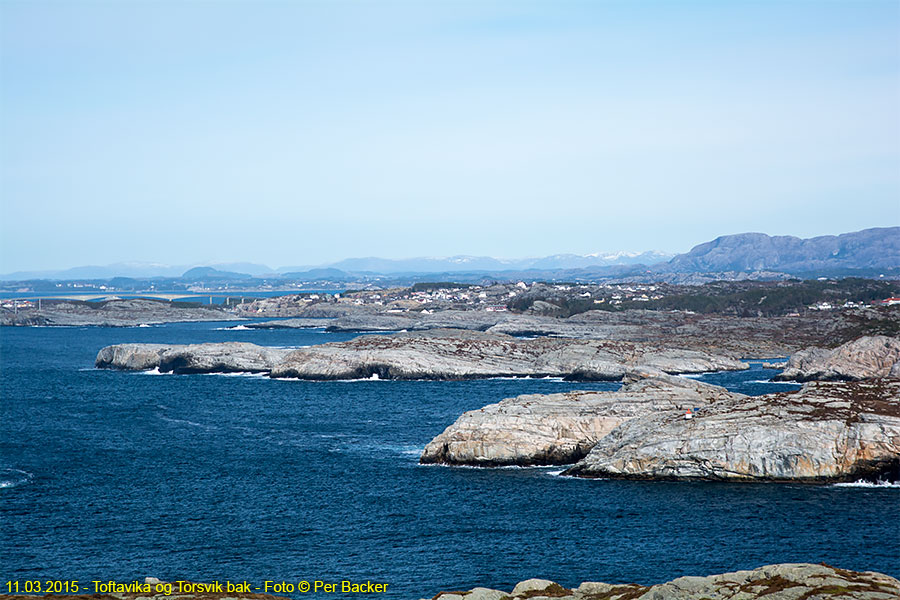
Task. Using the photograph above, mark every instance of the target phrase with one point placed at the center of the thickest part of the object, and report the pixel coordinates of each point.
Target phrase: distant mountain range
(371, 265)
(862, 252)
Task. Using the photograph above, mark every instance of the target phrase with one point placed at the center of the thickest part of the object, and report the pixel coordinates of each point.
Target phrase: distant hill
(319, 274)
(874, 248)
(211, 274)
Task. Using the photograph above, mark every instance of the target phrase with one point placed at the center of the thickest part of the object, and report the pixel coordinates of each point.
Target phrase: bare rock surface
(823, 432)
(438, 354)
(460, 354)
(539, 429)
(352, 323)
(759, 337)
(864, 358)
(296, 323)
(788, 581)
(229, 357)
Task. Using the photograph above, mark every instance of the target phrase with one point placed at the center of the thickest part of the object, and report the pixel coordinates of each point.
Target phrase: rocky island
(127, 312)
(437, 354)
(795, 581)
(556, 429)
(670, 428)
(825, 432)
(867, 357)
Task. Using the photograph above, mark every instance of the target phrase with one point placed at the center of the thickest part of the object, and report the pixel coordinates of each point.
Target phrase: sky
(301, 133)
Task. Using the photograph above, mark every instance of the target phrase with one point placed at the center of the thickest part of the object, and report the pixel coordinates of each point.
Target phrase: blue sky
(294, 133)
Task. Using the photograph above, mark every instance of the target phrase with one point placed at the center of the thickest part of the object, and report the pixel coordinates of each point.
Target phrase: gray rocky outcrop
(352, 323)
(788, 581)
(229, 357)
(560, 428)
(761, 337)
(438, 354)
(827, 431)
(298, 323)
(460, 354)
(863, 358)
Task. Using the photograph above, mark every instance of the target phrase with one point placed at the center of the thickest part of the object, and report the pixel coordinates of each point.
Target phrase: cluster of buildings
(849, 304)
(16, 304)
(496, 297)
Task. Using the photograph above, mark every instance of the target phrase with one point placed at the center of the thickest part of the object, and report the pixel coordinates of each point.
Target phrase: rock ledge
(772, 582)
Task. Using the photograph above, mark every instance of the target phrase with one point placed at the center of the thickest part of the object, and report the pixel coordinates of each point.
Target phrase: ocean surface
(110, 475)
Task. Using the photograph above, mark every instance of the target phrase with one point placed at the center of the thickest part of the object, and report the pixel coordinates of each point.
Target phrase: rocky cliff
(229, 357)
(772, 582)
(560, 428)
(864, 358)
(823, 432)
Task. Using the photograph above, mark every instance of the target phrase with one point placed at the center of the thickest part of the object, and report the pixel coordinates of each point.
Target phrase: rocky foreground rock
(864, 358)
(823, 432)
(440, 354)
(553, 429)
(772, 582)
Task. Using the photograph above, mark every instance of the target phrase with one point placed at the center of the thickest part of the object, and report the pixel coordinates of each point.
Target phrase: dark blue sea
(113, 475)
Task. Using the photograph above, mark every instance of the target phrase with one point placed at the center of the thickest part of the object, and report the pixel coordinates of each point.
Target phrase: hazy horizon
(328, 264)
(617, 257)
(308, 133)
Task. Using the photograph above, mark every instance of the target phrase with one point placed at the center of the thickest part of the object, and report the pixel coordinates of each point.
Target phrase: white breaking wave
(186, 422)
(10, 478)
(153, 371)
(870, 484)
(240, 374)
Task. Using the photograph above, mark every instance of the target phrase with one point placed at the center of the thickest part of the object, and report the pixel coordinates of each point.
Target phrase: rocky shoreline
(558, 429)
(669, 428)
(788, 581)
(438, 354)
(825, 432)
(662, 429)
(865, 358)
(748, 337)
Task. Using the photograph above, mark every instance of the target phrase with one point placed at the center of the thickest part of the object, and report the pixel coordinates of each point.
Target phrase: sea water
(108, 475)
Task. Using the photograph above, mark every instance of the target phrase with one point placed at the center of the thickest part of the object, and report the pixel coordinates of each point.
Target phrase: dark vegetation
(743, 298)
